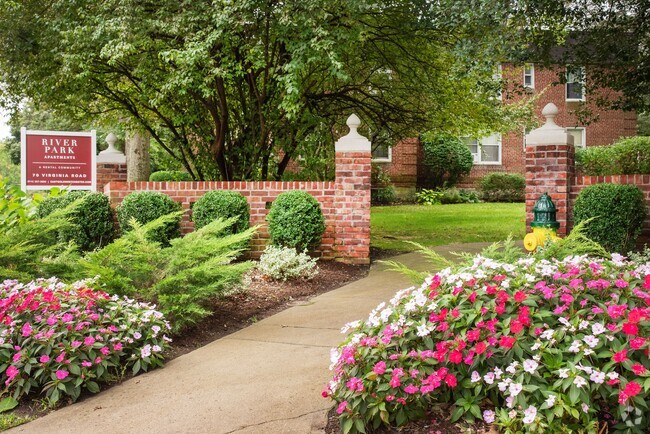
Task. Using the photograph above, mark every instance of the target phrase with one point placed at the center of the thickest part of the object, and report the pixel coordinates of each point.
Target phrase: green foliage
(455, 195)
(170, 175)
(618, 212)
(226, 86)
(429, 197)
(222, 204)
(198, 268)
(16, 207)
(382, 191)
(91, 219)
(626, 157)
(296, 220)
(146, 206)
(503, 187)
(27, 250)
(8, 169)
(447, 159)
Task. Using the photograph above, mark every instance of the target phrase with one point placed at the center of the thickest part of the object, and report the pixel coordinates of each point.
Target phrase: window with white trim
(382, 153)
(529, 76)
(575, 83)
(579, 136)
(486, 150)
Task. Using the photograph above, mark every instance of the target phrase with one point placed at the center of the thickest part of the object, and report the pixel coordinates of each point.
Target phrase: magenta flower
(105, 351)
(27, 329)
(89, 341)
(16, 357)
(44, 359)
(61, 374)
(75, 344)
(11, 372)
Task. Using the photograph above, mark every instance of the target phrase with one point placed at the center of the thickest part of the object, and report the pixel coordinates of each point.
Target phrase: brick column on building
(550, 167)
(111, 164)
(352, 196)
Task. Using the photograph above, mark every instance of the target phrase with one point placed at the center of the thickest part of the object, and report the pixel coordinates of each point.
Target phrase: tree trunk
(138, 166)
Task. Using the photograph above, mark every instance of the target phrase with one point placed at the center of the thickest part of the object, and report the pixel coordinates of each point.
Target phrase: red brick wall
(109, 172)
(403, 167)
(345, 204)
(550, 168)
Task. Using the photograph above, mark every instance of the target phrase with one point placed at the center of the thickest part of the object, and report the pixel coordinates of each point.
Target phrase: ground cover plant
(440, 225)
(59, 339)
(282, 263)
(531, 344)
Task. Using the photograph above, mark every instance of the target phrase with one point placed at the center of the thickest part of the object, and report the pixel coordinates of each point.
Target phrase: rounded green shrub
(170, 175)
(447, 159)
(222, 204)
(626, 157)
(146, 206)
(92, 219)
(503, 187)
(618, 211)
(296, 220)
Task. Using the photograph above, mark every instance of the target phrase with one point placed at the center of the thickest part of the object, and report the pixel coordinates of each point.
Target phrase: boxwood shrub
(447, 159)
(222, 204)
(146, 206)
(296, 220)
(503, 187)
(92, 219)
(618, 212)
(170, 175)
(626, 157)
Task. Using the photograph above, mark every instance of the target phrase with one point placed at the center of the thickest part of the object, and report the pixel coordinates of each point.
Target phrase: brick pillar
(550, 167)
(352, 197)
(111, 165)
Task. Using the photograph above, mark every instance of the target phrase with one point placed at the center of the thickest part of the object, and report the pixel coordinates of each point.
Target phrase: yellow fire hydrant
(544, 225)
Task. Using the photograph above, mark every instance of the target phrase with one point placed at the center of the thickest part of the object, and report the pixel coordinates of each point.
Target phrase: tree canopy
(234, 89)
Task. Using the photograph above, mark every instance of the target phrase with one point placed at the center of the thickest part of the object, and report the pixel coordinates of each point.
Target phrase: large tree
(235, 89)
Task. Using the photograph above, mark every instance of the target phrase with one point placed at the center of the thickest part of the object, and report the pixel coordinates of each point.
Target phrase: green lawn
(444, 224)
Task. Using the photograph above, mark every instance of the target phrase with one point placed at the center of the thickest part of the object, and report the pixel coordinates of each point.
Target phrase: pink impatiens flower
(27, 329)
(44, 358)
(11, 373)
(342, 407)
(61, 374)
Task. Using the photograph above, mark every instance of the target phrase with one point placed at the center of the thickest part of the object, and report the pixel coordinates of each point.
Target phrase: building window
(382, 154)
(529, 76)
(579, 137)
(486, 150)
(575, 83)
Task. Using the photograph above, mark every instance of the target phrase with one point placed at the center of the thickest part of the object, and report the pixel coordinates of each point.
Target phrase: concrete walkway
(265, 378)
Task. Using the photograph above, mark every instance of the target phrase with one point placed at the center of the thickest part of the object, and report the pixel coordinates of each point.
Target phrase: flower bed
(538, 346)
(60, 339)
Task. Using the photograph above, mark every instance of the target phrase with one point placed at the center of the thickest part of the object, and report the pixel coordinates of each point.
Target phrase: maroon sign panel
(58, 159)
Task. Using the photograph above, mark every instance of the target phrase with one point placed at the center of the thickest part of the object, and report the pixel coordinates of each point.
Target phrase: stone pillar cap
(110, 154)
(550, 133)
(353, 141)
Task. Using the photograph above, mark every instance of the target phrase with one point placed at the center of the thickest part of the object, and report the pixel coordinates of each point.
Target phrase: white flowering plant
(58, 339)
(282, 263)
(532, 346)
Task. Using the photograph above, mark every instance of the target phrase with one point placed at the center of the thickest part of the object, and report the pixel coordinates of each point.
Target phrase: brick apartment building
(505, 153)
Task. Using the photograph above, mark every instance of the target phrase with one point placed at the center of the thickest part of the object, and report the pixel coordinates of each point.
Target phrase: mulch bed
(259, 299)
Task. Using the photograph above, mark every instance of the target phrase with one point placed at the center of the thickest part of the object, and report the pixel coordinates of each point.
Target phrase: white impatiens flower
(598, 328)
(489, 377)
(585, 408)
(512, 414)
(503, 385)
(564, 321)
(597, 377)
(579, 381)
(575, 347)
(535, 347)
(530, 366)
(512, 368)
(547, 334)
(497, 373)
(423, 330)
(550, 401)
(612, 375)
(529, 414)
(385, 314)
(488, 416)
(563, 373)
(583, 325)
(476, 377)
(515, 389)
(590, 340)
(510, 401)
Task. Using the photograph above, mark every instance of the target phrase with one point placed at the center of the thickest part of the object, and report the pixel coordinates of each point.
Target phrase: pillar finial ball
(111, 139)
(550, 110)
(353, 122)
